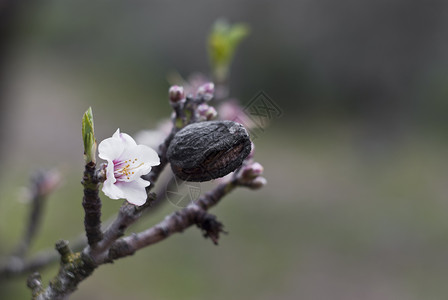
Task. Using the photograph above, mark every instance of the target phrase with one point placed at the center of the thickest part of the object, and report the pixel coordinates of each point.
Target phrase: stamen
(127, 169)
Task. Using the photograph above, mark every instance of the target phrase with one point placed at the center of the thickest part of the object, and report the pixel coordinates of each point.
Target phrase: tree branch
(128, 214)
(195, 213)
(15, 266)
(75, 267)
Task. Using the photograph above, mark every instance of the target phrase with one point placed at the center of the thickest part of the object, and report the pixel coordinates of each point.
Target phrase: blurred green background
(355, 206)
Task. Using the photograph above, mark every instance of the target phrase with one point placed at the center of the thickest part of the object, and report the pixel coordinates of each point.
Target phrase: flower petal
(110, 172)
(142, 157)
(134, 191)
(149, 155)
(111, 190)
(110, 148)
(125, 138)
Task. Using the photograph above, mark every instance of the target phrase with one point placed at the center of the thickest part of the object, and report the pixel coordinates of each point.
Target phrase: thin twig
(34, 220)
(15, 266)
(38, 195)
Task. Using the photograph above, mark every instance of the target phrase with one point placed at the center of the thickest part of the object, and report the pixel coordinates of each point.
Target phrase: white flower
(126, 163)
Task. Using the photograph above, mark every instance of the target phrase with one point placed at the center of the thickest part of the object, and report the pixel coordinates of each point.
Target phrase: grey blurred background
(355, 206)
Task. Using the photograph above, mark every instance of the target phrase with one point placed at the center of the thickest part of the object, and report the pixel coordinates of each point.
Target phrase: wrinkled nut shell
(208, 150)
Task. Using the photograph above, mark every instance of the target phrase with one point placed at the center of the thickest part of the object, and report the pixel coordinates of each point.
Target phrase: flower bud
(252, 171)
(88, 137)
(211, 113)
(206, 91)
(44, 182)
(176, 93)
(258, 183)
(206, 112)
(48, 182)
(202, 109)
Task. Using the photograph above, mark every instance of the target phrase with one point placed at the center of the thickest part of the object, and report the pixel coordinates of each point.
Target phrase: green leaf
(88, 136)
(222, 43)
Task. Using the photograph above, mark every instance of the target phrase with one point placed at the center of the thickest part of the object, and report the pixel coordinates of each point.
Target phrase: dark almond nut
(208, 150)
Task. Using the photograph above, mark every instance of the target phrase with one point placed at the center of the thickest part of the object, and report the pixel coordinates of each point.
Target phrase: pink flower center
(126, 168)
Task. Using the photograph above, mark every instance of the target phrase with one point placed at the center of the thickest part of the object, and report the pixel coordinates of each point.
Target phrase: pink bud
(206, 91)
(202, 109)
(48, 181)
(211, 113)
(252, 171)
(176, 93)
(257, 169)
(258, 182)
(207, 112)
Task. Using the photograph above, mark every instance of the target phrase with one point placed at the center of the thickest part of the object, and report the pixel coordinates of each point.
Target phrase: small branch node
(34, 282)
(64, 250)
(210, 226)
